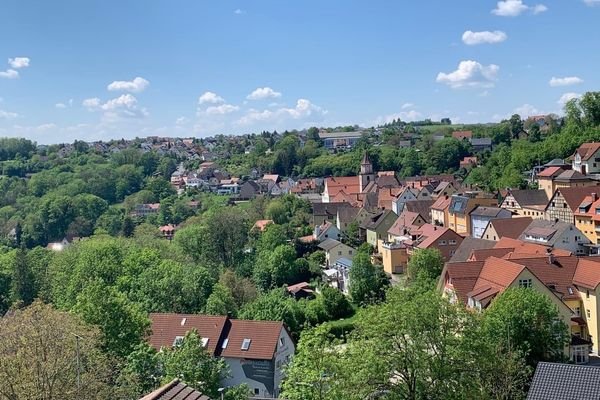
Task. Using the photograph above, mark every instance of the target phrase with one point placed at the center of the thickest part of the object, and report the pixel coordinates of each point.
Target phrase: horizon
(75, 71)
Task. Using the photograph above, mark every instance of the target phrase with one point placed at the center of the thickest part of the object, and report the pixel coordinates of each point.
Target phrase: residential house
(556, 234)
(462, 135)
(249, 190)
(503, 227)
(394, 257)
(439, 211)
(482, 215)
(526, 203)
(460, 209)
(168, 231)
(302, 290)
(565, 381)
(546, 179)
(422, 207)
(349, 185)
(565, 202)
(467, 246)
(339, 140)
(404, 223)
(334, 250)
(143, 210)
(468, 162)
(256, 352)
(175, 390)
(346, 216)
(377, 226)
(338, 275)
(586, 159)
(553, 178)
(325, 231)
(587, 220)
(323, 212)
(430, 236)
(444, 188)
(481, 144)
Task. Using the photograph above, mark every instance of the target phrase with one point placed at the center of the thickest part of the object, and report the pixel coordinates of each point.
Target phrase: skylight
(205, 341)
(246, 344)
(225, 343)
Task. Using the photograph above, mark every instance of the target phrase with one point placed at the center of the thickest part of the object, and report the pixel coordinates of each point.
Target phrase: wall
(394, 258)
(257, 374)
(590, 304)
(283, 355)
(340, 251)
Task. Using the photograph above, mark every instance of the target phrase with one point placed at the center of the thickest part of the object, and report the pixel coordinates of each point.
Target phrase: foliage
(425, 266)
(367, 282)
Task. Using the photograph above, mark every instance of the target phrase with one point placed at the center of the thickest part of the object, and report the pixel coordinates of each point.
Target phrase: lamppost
(222, 391)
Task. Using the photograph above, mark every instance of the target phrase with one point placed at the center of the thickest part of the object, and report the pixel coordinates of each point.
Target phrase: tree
(128, 227)
(51, 355)
(527, 321)
(221, 302)
(425, 266)
(516, 126)
(335, 304)
(534, 135)
(142, 371)
(23, 281)
(191, 363)
(275, 305)
(367, 282)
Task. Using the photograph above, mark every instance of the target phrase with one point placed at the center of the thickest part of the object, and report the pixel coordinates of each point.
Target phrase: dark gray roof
(553, 381)
(549, 230)
(458, 204)
(530, 197)
(422, 207)
(483, 211)
(347, 214)
(329, 244)
(481, 141)
(469, 244)
(557, 162)
(328, 208)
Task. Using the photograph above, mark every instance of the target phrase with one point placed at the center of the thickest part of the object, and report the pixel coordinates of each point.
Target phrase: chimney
(594, 197)
(550, 256)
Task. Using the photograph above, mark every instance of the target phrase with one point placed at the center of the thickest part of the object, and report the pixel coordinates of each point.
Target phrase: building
(586, 159)
(249, 190)
(546, 179)
(468, 245)
(339, 140)
(553, 381)
(556, 235)
(481, 144)
(565, 202)
(444, 188)
(377, 226)
(482, 215)
(553, 178)
(587, 220)
(261, 225)
(439, 211)
(175, 390)
(511, 228)
(459, 211)
(468, 162)
(338, 275)
(394, 257)
(168, 231)
(462, 135)
(334, 250)
(526, 203)
(143, 210)
(255, 351)
(327, 212)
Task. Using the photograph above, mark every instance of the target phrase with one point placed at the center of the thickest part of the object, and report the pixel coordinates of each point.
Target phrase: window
(451, 241)
(577, 311)
(553, 204)
(525, 283)
(442, 242)
(281, 341)
(588, 313)
(225, 343)
(205, 341)
(256, 391)
(178, 341)
(350, 252)
(587, 294)
(246, 344)
(339, 253)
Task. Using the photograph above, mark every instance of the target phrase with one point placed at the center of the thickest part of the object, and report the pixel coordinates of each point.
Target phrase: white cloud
(123, 101)
(565, 98)
(239, 11)
(125, 106)
(407, 105)
(9, 74)
(181, 121)
(8, 115)
(473, 38)
(60, 105)
(527, 110)
(407, 116)
(566, 81)
(263, 93)
(210, 98)
(18, 62)
(592, 3)
(91, 103)
(304, 109)
(470, 74)
(514, 8)
(221, 109)
(137, 85)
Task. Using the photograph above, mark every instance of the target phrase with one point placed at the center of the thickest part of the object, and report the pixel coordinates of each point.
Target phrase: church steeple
(366, 172)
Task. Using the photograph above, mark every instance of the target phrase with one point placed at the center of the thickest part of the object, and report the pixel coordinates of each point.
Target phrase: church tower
(366, 172)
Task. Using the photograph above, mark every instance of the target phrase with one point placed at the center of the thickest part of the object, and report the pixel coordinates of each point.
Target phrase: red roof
(442, 203)
(588, 273)
(263, 337)
(261, 224)
(349, 184)
(550, 172)
(587, 150)
(462, 135)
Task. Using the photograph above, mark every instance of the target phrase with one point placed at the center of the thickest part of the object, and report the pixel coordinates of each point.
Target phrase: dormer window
(246, 344)
(178, 341)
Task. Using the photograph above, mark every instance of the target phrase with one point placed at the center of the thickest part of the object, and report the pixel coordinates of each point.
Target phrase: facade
(459, 219)
(378, 226)
(586, 159)
(482, 215)
(556, 235)
(565, 202)
(339, 140)
(334, 250)
(526, 203)
(255, 351)
(587, 220)
(439, 211)
(394, 257)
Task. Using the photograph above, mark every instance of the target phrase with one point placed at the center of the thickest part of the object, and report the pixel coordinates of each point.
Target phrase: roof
(339, 135)
(550, 172)
(571, 175)
(550, 231)
(261, 224)
(481, 141)
(329, 244)
(175, 390)
(420, 206)
(377, 220)
(328, 208)
(587, 273)
(484, 211)
(365, 159)
(458, 204)
(431, 233)
(530, 197)
(441, 203)
(225, 335)
(510, 227)
(302, 286)
(564, 381)
(462, 134)
(467, 246)
(349, 184)
(347, 214)
(405, 220)
(463, 276)
(587, 150)
(574, 195)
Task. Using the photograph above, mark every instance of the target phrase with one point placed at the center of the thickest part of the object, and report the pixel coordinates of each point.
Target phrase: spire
(365, 159)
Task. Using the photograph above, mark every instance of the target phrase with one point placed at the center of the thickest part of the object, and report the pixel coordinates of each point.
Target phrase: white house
(556, 234)
(334, 250)
(482, 215)
(586, 159)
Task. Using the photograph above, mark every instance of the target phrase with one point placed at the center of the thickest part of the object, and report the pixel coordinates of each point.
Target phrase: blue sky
(68, 68)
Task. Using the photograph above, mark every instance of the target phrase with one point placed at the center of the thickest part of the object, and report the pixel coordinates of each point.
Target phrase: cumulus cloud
(263, 93)
(221, 109)
(527, 110)
(407, 116)
(304, 109)
(514, 8)
(18, 62)
(565, 98)
(8, 115)
(473, 38)
(9, 74)
(91, 103)
(566, 81)
(125, 106)
(407, 105)
(210, 98)
(181, 121)
(470, 74)
(138, 84)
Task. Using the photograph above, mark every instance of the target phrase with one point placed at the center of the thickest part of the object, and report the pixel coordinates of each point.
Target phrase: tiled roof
(431, 233)
(422, 207)
(484, 254)
(574, 196)
(498, 273)
(571, 175)
(175, 390)
(261, 224)
(484, 211)
(549, 230)
(405, 220)
(349, 184)
(441, 203)
(510, 227)
(462, 134)
(468, 245)
(329, 244)
(463, 276)
(557, 275)
(263, 337)
(587, 273)
(530, 197)
(328, 208)
(553, 381)
(587, 150)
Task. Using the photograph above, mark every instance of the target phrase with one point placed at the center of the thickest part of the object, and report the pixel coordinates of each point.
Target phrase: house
(249, 190)
(481, 144)
(444, 188)
(334, 250)
(430, 236)
(256, 352)
(505, 227)
(553, 178)
(327, 212)
(377, 226)
(565, 202)
(439, 211)
(394, 257)
(546, 179)
(556, 234)
(477, 283)
(468, 245)
(58, 246)
(526, 203)
(460, 209)
(262, 224)
(349, 185)
(482, 215)
(586, 159)
(462, 135)
(175, 390)
(143, 210)
(553, 381)
(302, 290)
(404, 223)
(346, 216)
(339, 140)
(587, 220)
(338, 275)
(468, 162)
(325, 231)
(168, 231)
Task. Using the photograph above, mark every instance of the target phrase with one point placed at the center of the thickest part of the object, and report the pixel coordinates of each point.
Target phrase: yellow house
(587, 219)
(439, 211)
(394, 257)
(459, 210)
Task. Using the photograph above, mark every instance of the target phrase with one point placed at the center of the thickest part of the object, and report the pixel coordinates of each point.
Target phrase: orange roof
(406, 220)
(587, 150)
(550, 172)
(462, 134)
(587, 273)
(349, 184)
(463, 276)
(498, 273)
(385, 197)
(261, 224)
(441, 203)
(263, 337)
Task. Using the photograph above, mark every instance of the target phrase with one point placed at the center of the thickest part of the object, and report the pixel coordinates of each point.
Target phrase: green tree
(335, 304)
(275, 305)
(142, 371)
(367, 282)
(23, 281)
(534, 135)
(221, 302)
(516, 126)
(425, 266)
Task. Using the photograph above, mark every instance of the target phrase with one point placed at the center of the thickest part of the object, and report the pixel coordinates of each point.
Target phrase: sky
(97, 70)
